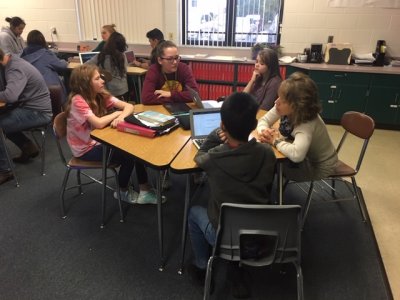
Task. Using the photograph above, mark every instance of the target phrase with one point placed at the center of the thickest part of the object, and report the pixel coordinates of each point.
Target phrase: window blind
(133, 18)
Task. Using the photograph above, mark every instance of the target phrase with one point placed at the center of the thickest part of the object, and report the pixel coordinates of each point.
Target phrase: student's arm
(127, 109)
(213, 140)
(58, 65)
(252, 81)
(264, 127)
(150, 84)
(16, 82)
(297, 150)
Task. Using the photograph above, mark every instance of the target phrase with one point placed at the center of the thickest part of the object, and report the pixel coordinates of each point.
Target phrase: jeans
(126, 161)
(202, 235)
(16, 120)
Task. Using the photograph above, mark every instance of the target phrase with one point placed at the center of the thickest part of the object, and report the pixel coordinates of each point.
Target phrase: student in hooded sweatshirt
(43, 59)
(239, 170)
(11, 41)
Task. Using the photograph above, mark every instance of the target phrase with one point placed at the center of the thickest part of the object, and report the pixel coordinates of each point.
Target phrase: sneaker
(130, 196)
(148, 197)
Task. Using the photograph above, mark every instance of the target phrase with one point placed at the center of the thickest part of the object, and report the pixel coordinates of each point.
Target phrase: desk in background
(157, 153)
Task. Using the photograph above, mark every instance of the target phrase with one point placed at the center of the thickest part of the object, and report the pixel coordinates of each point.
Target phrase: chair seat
(80, 163)
(343, 169)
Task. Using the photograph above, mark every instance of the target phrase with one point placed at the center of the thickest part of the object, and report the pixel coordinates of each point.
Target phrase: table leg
(104, 181)
(160, 220)
(140, 88)
(184, 226)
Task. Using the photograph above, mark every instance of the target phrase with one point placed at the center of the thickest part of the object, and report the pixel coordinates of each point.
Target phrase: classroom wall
(304, 22)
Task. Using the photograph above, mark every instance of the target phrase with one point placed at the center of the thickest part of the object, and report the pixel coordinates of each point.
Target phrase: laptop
(200, 103)
(202, 122)
(85, 56)
(130, 56)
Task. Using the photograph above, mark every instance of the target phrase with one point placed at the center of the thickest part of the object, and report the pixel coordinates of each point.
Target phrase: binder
(135, 129)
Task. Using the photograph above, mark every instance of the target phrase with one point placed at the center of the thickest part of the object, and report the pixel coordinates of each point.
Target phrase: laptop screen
(203, 121)
(85, 56)
(130, 56)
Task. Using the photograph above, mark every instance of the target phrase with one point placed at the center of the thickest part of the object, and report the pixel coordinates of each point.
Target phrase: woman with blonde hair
(106, 31)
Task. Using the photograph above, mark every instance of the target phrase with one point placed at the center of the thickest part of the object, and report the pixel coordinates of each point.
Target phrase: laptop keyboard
(198, 142)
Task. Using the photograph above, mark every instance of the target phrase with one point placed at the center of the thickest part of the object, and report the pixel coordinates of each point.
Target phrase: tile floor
(381, 189)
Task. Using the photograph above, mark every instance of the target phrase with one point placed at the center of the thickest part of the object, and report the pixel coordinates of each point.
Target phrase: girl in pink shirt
(90, 106)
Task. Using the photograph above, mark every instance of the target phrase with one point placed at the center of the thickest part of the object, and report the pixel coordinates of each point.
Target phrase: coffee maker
(380, 52)
(315, 53)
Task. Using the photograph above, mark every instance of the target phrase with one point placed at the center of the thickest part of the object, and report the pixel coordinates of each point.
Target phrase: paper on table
(287, 59)
(366, 56)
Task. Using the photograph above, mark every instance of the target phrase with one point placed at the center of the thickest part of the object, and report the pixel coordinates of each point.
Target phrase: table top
(131, 69)
(156, 152)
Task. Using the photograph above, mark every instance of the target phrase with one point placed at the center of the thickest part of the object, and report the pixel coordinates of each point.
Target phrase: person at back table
(239, 170)
(27, 96)
(89, 107)
(155, 37)
(112, 59)
(45, 60)
(106, 31)
(11, 41)
(304, 137)
(266, 79)
(167, 80)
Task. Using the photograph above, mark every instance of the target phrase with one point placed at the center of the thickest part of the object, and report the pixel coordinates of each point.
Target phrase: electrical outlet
(53, 30)
(170, 36)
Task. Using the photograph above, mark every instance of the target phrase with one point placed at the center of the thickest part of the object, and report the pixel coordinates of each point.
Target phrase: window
(237, 23)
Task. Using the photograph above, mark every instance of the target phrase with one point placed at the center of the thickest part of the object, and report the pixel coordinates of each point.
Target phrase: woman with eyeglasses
(167, 81)
(11, 41)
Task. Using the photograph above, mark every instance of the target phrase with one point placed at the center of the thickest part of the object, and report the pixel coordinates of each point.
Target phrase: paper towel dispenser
(338, 53)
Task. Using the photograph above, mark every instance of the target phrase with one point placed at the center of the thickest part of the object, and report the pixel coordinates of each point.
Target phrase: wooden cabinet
(340, 92)
(383, 103)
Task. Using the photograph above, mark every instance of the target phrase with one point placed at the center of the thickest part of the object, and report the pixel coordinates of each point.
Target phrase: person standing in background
(112, 59)
(155, 37)
(106, 31)
(266, 79)
(46, 61)
(167, 81)
(11, 41)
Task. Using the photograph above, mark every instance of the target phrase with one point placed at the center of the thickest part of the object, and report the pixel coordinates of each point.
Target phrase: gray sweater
(25, 86)
(9, 43)
(236, 175)
(118, 85)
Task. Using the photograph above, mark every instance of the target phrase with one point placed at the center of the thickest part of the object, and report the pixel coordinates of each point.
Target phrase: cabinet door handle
(340, 75)
(331, 101)
(393, 106)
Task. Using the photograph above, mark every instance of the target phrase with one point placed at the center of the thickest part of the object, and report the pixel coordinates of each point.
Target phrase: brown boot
(29, 150)
(5, 176)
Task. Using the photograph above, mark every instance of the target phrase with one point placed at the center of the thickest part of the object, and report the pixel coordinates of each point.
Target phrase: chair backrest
(259, 235)
(358, 124)
(56, 99)
(361, 126)
(60, 132)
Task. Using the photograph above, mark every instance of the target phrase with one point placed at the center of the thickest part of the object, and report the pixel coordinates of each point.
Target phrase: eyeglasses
(172, 59)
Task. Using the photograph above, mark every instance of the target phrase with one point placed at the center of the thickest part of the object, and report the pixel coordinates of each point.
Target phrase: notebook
(202, 122)
(130, 56)
(177, 108)
(200, 103)
(85, 56)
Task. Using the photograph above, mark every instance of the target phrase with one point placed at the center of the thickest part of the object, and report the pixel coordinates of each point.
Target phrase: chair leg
(358, 197)
(121, 213)
(300, 290)
(43, 151)
(63, 187)
(308, 203)
(207, 284)
(8, 156)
